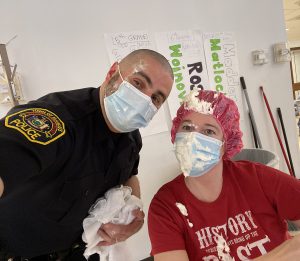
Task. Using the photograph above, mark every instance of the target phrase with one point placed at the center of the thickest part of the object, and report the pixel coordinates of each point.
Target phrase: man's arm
(1, 187)
(134, 183)
(24, 154)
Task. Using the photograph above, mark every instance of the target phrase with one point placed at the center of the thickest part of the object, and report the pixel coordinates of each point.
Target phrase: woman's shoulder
(170, 191)
(249, 170)
(173, 185)
(242, 165)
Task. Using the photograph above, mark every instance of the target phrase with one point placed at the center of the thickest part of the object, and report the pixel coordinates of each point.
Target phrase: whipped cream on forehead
(191, 102)
(139, 66)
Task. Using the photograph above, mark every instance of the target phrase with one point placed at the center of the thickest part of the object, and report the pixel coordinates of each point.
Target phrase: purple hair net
(226, 113)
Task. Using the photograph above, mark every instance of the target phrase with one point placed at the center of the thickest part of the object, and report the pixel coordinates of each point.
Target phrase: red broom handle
(277, 133)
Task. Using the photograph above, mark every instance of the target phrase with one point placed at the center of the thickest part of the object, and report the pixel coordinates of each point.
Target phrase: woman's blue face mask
(197, 153)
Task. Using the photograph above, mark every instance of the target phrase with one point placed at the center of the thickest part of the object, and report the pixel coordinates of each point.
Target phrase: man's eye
(138, 84)
(157, 100)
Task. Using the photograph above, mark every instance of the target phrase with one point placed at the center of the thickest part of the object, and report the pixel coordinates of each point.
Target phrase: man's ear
(111, 71)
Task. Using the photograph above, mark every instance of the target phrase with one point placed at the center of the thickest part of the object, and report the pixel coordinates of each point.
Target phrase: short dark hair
(135, 55)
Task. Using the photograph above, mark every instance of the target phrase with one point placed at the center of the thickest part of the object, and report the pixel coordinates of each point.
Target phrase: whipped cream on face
(191, 102)
(185, 155)
(140, 66)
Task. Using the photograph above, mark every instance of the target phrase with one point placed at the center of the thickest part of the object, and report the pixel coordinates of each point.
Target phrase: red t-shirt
(249, 214)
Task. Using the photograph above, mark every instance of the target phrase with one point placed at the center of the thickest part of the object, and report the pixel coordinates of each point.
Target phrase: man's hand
(114, 233)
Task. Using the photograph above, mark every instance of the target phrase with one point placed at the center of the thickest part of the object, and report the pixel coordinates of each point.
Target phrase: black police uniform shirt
(57, 156)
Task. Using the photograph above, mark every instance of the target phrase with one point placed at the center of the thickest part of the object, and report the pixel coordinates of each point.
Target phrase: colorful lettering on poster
(195, 80)
(176, 67)
(217, 66)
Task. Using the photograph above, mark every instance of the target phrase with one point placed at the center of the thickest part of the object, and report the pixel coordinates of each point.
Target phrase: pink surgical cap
(225, 111)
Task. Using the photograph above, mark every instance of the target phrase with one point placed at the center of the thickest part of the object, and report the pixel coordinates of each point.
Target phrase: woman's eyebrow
(186, 121)
(213, 126)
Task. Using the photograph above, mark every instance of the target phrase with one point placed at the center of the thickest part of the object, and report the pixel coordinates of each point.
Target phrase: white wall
(60, 46)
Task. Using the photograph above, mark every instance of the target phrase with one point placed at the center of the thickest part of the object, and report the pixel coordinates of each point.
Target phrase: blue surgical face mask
(128, 109)
(196, 153)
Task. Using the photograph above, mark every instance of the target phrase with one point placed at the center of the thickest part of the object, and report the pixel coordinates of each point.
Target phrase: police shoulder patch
(37, 125)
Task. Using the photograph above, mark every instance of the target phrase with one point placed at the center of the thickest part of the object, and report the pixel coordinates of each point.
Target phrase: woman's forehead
(201, 119)
(197, 117)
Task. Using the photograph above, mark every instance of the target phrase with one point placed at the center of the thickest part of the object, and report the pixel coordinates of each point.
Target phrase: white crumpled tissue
(115, 207)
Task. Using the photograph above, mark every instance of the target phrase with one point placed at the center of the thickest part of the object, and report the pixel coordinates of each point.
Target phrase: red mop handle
(277, 133)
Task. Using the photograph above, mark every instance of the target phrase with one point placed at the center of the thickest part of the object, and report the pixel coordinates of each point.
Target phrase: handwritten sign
(120, 44)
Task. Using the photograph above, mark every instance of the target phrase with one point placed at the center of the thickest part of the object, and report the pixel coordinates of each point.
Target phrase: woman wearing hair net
(220, 209)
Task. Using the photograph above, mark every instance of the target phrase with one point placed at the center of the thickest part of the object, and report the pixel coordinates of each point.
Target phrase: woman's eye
(209, 132)
(188, 127)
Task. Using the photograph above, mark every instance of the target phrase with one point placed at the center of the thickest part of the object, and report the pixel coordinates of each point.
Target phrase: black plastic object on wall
(252, 120)
(253, 132)
(285, 139)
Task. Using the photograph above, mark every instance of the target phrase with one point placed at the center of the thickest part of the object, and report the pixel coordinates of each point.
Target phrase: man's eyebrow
(145, 76)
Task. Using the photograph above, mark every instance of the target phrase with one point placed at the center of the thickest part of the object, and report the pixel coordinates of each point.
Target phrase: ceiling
(292, 19)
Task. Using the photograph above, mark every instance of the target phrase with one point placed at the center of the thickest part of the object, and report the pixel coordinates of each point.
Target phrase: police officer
(61, 152)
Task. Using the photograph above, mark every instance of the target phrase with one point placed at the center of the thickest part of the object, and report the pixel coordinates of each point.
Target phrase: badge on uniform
(37, 125)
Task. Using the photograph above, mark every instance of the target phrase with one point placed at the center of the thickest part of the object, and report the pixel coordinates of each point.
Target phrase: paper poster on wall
(118, 46)
(184, 50)
(222, 64)
(157, 125)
